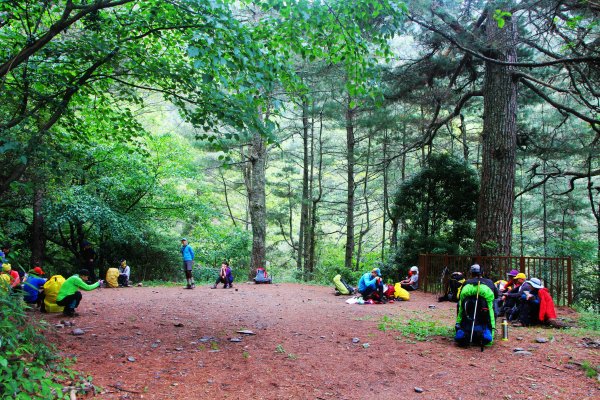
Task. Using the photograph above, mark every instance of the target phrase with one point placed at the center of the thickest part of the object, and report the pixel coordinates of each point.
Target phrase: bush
(29, 367)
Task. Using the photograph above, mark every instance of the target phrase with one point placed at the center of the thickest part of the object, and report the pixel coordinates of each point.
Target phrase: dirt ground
(172, 343)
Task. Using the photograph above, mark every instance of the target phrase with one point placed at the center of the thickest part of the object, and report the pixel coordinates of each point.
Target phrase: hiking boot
(213, 287)
(188, 287)
(193, 285)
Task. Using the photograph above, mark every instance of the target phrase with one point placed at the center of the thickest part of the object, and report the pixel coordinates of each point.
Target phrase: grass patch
(590, 370)
(279, 349)
(589, 320)
(415, 329)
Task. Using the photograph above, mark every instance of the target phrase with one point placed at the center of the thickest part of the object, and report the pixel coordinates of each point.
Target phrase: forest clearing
(303, 348)
(424, 143)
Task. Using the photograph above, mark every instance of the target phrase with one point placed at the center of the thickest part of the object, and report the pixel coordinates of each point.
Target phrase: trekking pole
(475, 312)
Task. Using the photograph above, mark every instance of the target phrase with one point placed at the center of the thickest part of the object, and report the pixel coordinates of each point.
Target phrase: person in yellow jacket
(68, 295)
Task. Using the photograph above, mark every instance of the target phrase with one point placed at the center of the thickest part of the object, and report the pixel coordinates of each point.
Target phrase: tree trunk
(350, 177)
(257, 200)
(38, 240)
(496, 198)
(315, 201)
(305, 182)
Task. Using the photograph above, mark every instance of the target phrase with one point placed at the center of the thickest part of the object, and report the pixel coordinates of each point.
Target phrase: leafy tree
(438, 207)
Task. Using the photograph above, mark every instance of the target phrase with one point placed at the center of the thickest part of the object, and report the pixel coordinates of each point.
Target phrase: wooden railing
(555, 272)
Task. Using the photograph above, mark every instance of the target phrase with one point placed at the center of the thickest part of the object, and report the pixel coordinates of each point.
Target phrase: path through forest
(171, 343)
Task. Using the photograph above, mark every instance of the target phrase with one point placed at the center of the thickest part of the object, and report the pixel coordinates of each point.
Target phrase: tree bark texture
(496, 198)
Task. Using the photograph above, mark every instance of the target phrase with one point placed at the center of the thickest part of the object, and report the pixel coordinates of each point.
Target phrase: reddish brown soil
(303, 349)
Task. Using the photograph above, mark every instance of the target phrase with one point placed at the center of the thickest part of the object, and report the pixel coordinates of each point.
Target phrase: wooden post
(569, 283)
(522, 264)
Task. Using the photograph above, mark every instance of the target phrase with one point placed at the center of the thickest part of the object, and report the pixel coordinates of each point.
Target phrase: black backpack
(475, 322)
(455, 282)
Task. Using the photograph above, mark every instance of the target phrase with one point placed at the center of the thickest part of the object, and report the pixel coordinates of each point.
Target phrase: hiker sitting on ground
(510, 283)
(124, 272)
(510, 299)
(33, 287)
(535, 304)
(225, 276)
(475, 321)
(68, 295)
(412, 281)
(370, 285)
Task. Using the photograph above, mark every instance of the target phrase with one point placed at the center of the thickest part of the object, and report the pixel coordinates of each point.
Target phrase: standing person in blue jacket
(370, 285)
(187, 253)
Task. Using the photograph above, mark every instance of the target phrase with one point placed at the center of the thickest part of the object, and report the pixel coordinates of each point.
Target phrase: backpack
(262, 276)
(475, 322)
(112, 278)
(400, 292)
(51, 288)
(341, 286)
(455, 283)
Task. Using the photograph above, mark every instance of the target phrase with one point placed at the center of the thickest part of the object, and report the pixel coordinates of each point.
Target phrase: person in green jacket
(69, 297)
(475, 320)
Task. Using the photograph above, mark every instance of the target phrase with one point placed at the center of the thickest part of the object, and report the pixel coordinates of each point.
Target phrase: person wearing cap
(124, 273)
(510, 298)
(510, 283)
(412, 281)
(484, 291)
(15, 279)
(187, 254)
(69, 296)
(370, 285)
(33, 287)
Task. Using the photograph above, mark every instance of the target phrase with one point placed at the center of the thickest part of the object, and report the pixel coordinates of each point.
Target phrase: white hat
(536, 283)
(414, 268)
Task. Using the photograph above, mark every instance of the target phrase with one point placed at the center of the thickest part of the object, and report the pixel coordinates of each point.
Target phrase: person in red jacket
(15, 279)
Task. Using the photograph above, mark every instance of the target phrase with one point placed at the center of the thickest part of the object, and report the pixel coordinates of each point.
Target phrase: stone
(178, 348)
(59, 326)
(246, 332)
(366, 345)
(355, 340)
(131, 359)
(541, 340)
(432, 306)
(78, 332)
(235, 339)
(518, 349)
(418, 389)
(523, 353)
(519, 338)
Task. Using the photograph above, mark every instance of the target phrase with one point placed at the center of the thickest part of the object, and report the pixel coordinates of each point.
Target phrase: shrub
(29, 367)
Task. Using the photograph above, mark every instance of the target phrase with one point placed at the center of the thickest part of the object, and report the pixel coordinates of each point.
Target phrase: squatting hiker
(124, 273)
(68, 295)
(225, 276)
(370, 285)
(33, 287)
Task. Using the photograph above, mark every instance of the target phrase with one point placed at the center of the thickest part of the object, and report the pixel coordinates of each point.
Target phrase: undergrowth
(29, 366)
(415, 329)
